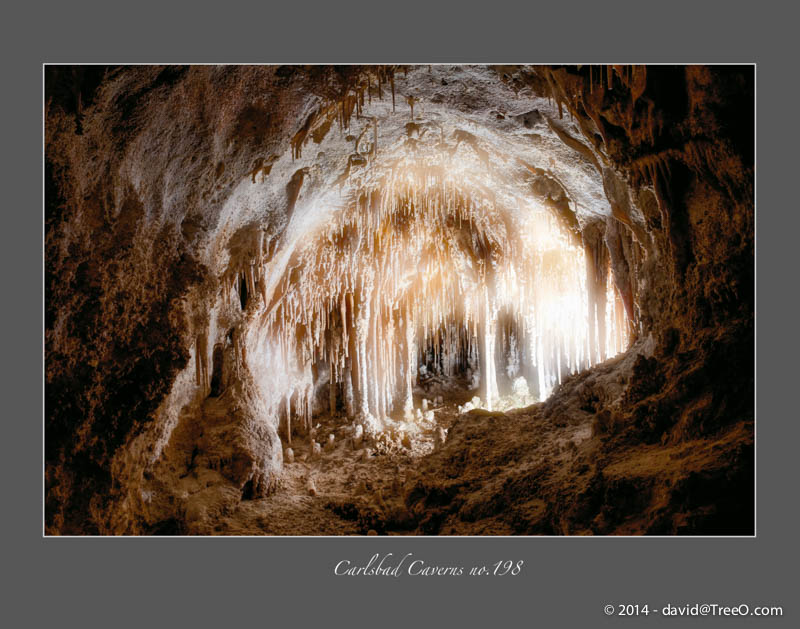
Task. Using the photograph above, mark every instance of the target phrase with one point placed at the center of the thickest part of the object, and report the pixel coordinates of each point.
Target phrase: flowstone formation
(433, 299)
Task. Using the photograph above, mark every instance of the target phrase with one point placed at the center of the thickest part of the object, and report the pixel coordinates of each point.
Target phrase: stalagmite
(289, 418)
(349, 399)
(441, 437)
(358, 435)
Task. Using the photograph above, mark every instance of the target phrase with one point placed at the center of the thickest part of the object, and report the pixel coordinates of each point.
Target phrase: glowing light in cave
(422, 270)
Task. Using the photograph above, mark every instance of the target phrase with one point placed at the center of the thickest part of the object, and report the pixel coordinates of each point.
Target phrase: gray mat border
(566, 582)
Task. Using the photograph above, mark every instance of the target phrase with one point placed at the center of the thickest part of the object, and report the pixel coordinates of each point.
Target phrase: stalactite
(362, 333)
(201, 363)
(409, 364)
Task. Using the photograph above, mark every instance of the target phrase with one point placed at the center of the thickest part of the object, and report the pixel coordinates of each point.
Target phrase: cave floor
(353, 494)
(506, 473)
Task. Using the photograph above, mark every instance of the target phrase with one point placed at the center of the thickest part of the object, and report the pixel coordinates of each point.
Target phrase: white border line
(488, 537)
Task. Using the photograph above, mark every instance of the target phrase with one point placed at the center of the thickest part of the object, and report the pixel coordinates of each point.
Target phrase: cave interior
(429, 299)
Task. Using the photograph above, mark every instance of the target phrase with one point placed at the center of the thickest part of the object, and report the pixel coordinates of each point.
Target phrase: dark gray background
(263, 582)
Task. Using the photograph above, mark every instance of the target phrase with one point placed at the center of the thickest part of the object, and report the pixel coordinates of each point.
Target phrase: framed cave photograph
(416, 315)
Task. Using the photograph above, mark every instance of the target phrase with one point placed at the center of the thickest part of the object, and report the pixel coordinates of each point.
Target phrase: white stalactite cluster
(422, 270)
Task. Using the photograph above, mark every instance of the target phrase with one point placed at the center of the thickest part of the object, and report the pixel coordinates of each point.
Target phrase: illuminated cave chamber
(433, 271)
(422, 277)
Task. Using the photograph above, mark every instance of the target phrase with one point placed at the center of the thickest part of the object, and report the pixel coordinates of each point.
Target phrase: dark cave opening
(243, 292)
(247, 491)
(216, 372)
